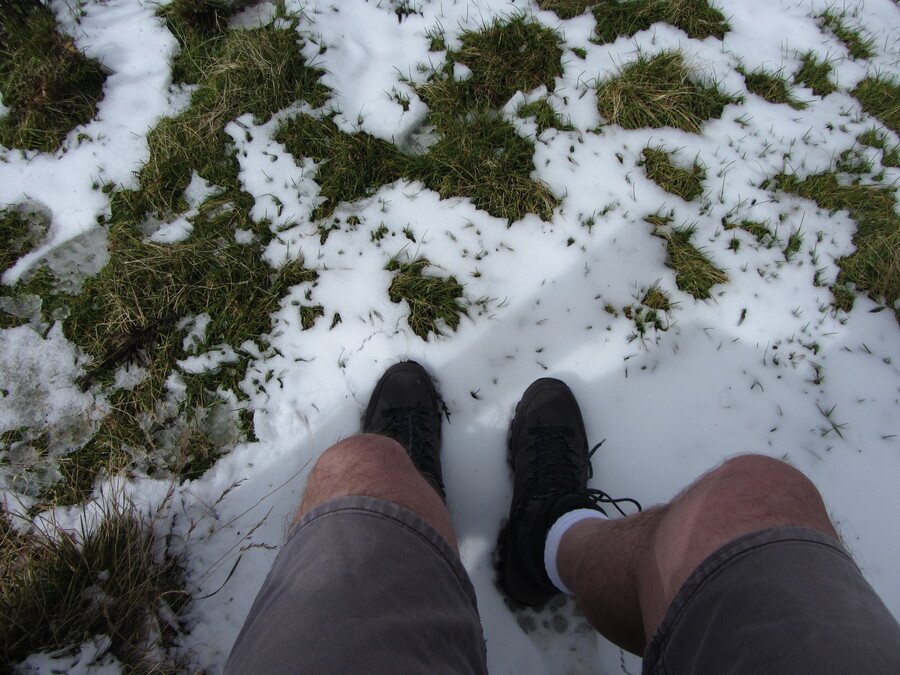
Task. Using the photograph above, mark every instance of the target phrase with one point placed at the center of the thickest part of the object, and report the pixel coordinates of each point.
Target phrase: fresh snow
(734, 374)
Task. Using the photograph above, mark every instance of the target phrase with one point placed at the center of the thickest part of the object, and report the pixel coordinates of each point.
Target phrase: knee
(756, 486)
(759, 472)
(361, 453)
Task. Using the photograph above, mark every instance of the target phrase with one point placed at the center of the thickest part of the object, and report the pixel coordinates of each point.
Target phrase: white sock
(554, 537)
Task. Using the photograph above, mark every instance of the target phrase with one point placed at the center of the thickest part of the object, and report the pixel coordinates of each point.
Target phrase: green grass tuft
(815, 74)
(567, 9)
(656, 298)
(659, 91)
(484, 159)
(650, 313)
(22, 228)
(49, 86)
(309, 314)
(479, 155)
(544, 116)
(686, 183)
(56, 592)
(874, 268)
(436, 39)
(433, 301)
(481, 158)
(658, 220)
(859, 47)
(880, 97)
(507, 56)
(793, 245)
(694, 273)
(853, 161)
(773, 88)
(623, 19)
(758, 230)
(890, 157)
(351, 166)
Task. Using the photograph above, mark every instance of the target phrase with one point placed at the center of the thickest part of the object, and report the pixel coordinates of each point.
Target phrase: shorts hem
(398, 515)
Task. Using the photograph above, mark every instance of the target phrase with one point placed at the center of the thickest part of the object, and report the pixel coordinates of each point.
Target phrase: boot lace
(555, 471)
(415, 425)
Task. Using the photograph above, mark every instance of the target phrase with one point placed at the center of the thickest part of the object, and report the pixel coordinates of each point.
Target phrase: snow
(760, 367)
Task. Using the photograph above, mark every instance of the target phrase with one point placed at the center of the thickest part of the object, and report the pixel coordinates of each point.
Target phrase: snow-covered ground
(764, 366)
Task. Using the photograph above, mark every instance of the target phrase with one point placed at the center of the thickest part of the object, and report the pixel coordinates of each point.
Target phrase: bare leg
(375, 466)
(625, 572)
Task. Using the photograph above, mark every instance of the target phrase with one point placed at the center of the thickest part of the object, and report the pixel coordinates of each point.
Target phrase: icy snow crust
(734, 374)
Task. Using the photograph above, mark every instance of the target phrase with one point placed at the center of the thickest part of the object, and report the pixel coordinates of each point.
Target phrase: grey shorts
(365, 586)
(362, 586)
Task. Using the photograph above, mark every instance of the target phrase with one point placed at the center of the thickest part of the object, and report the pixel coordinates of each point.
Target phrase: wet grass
(18, 236)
